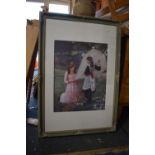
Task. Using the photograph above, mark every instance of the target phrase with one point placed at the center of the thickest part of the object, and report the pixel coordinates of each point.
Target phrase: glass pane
(57, 8)
(33, 9)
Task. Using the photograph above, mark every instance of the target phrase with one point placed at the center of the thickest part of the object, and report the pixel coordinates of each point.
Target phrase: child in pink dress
(72, 92)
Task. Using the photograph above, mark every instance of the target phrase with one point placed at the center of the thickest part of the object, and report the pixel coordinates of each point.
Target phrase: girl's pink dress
(72, 92)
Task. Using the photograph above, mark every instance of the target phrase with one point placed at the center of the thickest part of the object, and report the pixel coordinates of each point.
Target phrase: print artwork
(79, 76)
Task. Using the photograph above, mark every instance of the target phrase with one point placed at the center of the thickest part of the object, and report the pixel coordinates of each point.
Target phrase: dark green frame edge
(41, 110)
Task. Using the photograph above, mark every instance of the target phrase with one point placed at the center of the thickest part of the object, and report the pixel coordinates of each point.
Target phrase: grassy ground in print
(59, 87)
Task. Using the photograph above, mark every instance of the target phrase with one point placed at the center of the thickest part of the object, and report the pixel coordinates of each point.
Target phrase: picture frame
(73, 51)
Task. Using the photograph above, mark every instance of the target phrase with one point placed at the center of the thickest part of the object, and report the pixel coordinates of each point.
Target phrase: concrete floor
(109, 151)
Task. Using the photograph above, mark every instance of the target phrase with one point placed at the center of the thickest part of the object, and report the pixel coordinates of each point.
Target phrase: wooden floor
(97, 151)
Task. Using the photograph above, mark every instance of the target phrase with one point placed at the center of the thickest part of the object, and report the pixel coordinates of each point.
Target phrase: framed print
(79, 75)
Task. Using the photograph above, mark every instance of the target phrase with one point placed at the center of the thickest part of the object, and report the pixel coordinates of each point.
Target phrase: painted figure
(72, 92)
(89, 85)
